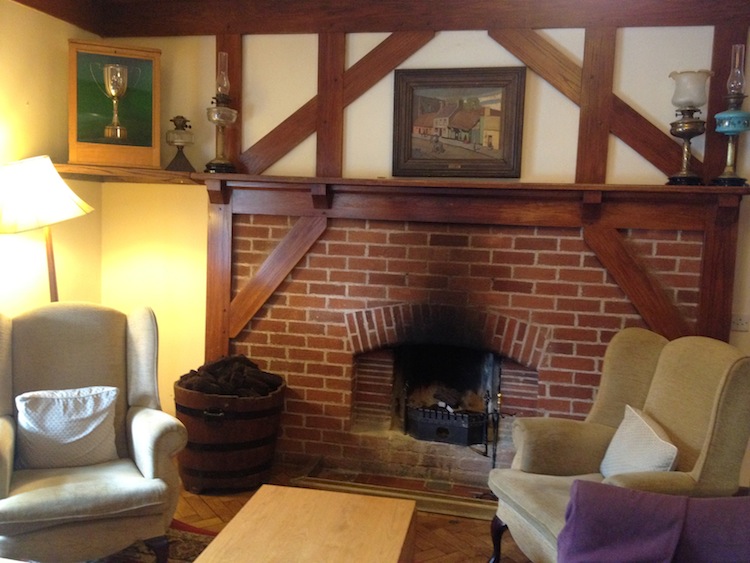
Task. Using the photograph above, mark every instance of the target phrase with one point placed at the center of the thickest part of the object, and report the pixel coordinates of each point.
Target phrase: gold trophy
(115, 87)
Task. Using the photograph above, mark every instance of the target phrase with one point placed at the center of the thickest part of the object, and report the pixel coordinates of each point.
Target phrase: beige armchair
(54, 506)
(696, 389)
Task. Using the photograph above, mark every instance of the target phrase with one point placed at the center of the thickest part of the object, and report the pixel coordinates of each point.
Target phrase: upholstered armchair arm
(7, 449)
(558, 446)
(667, 482)
(155, 438)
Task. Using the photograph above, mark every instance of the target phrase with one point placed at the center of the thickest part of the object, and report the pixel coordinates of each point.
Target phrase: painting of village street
(458, 122)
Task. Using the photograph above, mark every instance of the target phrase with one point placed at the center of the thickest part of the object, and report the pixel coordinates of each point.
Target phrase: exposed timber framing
(601, 210)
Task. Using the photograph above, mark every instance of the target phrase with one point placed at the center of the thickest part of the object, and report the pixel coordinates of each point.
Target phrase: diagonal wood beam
(541, 56)
(357, 80)
(646, 294)
(272, 272)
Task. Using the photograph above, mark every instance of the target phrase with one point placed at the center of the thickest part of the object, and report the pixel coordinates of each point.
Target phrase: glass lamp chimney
(222, 73)
(736, 81)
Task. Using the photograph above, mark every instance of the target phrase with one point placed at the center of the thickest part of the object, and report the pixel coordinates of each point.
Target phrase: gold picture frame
(105, 127)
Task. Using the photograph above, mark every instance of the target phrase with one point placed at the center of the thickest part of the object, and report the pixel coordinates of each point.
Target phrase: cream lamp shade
(33, 196)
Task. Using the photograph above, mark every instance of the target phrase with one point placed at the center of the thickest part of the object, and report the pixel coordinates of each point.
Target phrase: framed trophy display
(113, 105)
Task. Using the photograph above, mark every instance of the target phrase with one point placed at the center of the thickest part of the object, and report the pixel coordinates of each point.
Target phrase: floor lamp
(34, 196)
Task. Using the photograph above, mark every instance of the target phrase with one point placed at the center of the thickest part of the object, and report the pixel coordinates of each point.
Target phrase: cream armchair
(54, 506)
(695, 391)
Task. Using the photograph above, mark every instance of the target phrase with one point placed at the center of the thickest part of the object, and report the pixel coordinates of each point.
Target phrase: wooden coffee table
(296, 524)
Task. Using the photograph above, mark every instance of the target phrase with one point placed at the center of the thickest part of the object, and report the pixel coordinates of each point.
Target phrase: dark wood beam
(216, 17)
(330, 123)
(717, 268)
(597, 76)
(219, 270)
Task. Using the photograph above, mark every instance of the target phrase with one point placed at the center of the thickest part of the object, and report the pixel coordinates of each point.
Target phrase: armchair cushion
(66, 427)
(44, 498)
(639, 444)
(559, 446)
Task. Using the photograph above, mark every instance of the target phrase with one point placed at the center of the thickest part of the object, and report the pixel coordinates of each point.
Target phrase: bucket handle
(213, 415)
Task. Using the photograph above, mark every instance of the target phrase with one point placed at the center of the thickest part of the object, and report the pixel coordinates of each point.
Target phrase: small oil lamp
(733, 120)
(222, 116)
(179, 137)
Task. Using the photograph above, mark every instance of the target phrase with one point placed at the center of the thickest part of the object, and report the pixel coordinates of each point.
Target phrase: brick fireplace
(320, 280)
(537, 296)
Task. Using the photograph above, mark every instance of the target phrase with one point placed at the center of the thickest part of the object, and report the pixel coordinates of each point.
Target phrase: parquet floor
(440, 538)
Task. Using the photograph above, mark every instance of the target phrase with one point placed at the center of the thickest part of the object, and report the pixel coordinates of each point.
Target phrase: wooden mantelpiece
(602, 211)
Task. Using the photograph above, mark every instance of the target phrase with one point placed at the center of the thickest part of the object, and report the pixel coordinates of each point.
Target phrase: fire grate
(437, 424)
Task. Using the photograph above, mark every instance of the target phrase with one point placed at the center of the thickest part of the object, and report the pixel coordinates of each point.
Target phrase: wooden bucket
(231, 440)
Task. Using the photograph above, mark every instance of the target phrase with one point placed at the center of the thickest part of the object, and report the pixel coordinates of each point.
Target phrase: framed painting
(465, 122)
(113, 105)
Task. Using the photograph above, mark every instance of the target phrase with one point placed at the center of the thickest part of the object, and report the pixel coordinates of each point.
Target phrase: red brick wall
(536, 295)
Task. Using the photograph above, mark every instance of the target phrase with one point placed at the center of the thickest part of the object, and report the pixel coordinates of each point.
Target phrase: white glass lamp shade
(33, 195)
(690, 88)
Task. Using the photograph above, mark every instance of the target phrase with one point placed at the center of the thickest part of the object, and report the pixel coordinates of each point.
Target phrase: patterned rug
(185, 544)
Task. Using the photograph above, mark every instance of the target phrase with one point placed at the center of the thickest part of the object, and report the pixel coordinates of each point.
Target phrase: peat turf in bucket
(231, 439)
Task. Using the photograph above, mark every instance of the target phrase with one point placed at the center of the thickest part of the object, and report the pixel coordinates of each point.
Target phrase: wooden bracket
(591, 207)
(322, 196)
(218, 192)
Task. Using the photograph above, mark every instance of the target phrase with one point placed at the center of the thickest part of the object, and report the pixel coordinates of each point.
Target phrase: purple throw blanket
(604, 523)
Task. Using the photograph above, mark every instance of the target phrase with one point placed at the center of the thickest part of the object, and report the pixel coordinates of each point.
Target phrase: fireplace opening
(446, 393)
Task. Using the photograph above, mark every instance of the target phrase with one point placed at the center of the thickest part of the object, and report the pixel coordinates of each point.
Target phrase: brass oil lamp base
(686, 128)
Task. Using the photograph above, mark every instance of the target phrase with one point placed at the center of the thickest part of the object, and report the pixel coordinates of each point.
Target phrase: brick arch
(381, 327)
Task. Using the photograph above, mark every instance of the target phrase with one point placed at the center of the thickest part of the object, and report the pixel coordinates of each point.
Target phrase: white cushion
(66, 428)
(639, 444)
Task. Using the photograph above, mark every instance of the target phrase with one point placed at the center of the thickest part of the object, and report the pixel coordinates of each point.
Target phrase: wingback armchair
(72, 501)
(692, 396)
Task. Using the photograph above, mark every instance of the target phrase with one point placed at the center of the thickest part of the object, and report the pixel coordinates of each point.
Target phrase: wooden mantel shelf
(101, 173)
(473, 201)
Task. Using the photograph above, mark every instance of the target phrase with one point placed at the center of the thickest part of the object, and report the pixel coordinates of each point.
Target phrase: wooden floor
(440, 538)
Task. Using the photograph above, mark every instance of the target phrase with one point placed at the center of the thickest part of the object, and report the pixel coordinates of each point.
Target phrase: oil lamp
(689, 95)
(179, 137)
(222, 116)
(733, 120)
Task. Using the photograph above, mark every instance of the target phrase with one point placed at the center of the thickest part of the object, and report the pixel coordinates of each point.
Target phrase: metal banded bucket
(231, 440)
